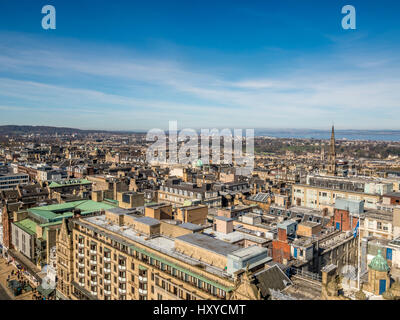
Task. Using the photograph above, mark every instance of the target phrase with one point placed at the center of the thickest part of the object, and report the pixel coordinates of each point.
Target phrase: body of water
(370, 135)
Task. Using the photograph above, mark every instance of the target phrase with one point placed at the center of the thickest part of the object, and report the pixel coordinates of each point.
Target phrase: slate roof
(272, 278)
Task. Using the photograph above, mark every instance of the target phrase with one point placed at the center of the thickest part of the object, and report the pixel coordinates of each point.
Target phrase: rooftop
(379, 215)
(191, 226)
(73, 182)
(120, 211)
(57, 212)
(208, 243)
(286, 223)
(148, 220)
(162, 244)
(27, 225)
(260, 197)
(223, 218)
(234, 236)
(248, 252)
(379, 263)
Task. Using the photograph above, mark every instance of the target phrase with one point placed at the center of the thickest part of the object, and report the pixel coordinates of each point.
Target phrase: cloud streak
(139, 92)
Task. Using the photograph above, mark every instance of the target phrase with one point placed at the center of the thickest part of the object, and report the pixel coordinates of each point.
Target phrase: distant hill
(21, 130)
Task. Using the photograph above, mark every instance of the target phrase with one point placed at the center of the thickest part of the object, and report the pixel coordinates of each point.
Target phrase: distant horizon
(219, 128)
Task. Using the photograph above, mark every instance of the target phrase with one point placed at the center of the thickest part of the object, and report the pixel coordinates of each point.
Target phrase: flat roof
(286, 223)
(301, 185)
(192, 207)
(162, 244)
(157, 205)
(234, 236)
(120, 211)
(13, 174)
(148, 220)
(223, 218)
(249, 252)
(378, 214)
(209, 243)
(191, 226)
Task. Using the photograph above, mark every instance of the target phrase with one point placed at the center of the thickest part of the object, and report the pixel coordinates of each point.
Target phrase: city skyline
(204, 153)
(136, 66)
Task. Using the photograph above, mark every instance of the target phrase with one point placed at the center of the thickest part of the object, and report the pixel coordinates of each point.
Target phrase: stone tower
(332, 154)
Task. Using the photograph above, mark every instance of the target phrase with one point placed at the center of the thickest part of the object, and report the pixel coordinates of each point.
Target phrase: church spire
(332, 154)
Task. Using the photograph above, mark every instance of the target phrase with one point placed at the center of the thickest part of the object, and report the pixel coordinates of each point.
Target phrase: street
(5, 294)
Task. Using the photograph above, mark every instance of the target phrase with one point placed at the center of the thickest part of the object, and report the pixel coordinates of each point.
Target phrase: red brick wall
(343, 217)
(6, 228)
(394, 200)
(280, 251)
(282, 236)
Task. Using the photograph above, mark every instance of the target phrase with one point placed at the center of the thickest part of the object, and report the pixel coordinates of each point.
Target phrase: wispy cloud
(117, 89)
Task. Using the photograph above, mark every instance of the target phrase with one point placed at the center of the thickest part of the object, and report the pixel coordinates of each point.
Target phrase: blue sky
(134, 65)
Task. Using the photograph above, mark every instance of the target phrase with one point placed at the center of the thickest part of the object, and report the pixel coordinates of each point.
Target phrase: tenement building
(177, 192)
(121, 255)
(321, 192)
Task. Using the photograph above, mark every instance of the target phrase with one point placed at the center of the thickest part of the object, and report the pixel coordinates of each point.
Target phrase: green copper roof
(379, 263)
(57, 212)
(27, 225)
